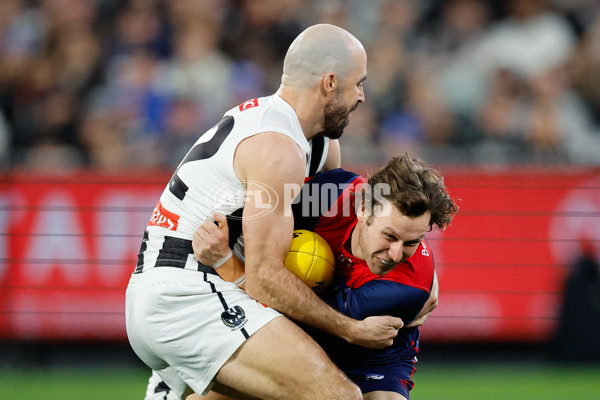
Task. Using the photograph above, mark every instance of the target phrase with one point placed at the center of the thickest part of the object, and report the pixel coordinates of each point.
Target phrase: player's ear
(330, 82)
(361, 211)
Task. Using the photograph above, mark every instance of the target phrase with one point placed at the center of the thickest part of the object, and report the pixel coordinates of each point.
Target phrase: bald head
(318, 49)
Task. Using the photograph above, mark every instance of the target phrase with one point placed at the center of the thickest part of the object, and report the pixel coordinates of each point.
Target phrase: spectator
(133, 104)
(458, 81)
(198, 69)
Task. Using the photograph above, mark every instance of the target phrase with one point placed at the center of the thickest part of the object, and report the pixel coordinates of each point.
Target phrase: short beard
(335, 120)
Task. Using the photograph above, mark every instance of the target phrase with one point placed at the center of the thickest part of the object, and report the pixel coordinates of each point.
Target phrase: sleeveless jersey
(205, 181)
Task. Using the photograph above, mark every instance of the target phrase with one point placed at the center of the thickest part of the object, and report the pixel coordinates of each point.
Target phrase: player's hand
(376, 332)
(211, 241)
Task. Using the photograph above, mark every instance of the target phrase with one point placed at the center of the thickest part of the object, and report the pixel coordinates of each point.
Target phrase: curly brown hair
(415, 188)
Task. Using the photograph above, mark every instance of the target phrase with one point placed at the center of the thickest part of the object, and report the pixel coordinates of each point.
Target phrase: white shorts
(186, 324)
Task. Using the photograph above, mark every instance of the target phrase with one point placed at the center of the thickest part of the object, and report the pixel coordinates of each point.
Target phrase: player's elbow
(258, 283)
(255, 288)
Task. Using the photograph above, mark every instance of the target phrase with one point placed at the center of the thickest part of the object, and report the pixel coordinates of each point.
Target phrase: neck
(307, 106)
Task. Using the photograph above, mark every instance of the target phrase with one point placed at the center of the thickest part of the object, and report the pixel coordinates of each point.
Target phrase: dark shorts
(396, 378)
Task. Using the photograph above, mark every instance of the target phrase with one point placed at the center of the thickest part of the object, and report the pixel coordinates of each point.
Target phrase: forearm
(283, 291)
(267, 241)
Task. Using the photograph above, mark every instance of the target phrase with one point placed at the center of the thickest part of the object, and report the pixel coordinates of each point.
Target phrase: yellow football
(311, 259)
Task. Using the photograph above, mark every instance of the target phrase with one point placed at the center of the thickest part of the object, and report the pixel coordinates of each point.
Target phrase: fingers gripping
(211, 241)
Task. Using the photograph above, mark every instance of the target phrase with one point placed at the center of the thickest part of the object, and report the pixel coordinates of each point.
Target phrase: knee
(329, 387)
(336, 385)
(345, 389)
(352, 392)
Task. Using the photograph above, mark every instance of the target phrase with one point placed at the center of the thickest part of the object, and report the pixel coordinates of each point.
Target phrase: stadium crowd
(113, 85)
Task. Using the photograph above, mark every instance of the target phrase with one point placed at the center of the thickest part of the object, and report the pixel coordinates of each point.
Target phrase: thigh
(281, 362)
(191, 323)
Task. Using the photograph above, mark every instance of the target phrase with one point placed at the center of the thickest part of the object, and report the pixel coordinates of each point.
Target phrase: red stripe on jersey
(163, 217)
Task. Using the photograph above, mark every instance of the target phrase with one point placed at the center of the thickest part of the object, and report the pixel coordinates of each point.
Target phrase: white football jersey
(205, 181)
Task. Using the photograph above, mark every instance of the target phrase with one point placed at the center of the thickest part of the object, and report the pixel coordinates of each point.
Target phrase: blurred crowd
(116, 84)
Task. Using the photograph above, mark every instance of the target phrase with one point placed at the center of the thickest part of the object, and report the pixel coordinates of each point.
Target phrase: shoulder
(270, 154)
(274, 116)
(330, 187)
(268, 112)
(417, 271)
(337, 175)
(272, 145)
(423, 256)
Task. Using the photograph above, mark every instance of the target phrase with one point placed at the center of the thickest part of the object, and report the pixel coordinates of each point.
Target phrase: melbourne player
(383, 262)
(199, 332)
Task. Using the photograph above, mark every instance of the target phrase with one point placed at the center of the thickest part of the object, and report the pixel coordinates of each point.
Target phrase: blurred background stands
(112, 85)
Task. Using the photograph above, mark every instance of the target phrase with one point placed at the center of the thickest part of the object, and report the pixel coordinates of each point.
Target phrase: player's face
(345, 100)
(388, 237)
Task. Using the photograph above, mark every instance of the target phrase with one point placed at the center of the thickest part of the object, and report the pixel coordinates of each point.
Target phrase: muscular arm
(267, 241)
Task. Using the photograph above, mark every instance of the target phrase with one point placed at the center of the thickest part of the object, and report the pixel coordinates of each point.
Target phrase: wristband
(223, 260)
(240, 281)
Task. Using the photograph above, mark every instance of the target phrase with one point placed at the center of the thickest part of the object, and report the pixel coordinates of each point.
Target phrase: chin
(379, 269)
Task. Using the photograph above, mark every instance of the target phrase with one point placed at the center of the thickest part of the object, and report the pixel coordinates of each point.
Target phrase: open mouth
(386, 262)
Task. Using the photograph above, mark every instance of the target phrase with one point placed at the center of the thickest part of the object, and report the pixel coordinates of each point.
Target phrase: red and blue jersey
(327, 206)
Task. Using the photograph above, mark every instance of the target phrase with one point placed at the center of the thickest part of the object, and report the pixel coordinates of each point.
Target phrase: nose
(361, 94)
(396, 251)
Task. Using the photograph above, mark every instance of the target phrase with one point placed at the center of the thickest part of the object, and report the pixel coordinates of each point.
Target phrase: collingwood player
(199, 332)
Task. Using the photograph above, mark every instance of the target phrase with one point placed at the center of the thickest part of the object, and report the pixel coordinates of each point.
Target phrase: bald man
(199, 332)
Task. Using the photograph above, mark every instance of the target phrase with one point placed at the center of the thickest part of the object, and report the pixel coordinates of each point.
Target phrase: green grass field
(433, 382)
(506, 381)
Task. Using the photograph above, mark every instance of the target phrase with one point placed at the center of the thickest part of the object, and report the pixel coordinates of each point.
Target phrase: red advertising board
(503, 262)
(68, 246)
(69, 249)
